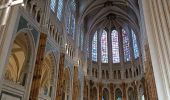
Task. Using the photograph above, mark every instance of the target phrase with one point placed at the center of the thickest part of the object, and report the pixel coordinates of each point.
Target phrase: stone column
(36, 83)
(124, 91)
(121, 52)
(100, 91)
(132, 56)
(112, 91)
(99, 52)
(90, 53)
(144, 88)
(158, 37)
(6, 36)
(60, 84)
(109, 47)
(76, 87)
(135, 90)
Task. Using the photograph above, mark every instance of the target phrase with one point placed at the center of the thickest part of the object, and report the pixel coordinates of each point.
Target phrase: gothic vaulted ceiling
(102, 13)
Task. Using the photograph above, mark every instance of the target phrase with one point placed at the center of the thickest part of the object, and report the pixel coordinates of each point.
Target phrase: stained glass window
(94, 47)
(115, 46)
(73, 5)
(60, 9)
(68, 23)
(104, 48)
(126, 47)
(135, 46)
(52, 5)
(73, 25)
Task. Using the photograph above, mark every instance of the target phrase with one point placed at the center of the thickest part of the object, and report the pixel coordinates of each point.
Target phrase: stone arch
(67, 83)
(20, 58)
(48, 73)
(141, 92)
(118, 94)
(86, 90)
(105, 94)
(76, 85)
(130, 93)
(93, 93)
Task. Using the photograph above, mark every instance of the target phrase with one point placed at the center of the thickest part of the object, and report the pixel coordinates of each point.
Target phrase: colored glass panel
(126, 46)
(104, 47)
(94, 47)
(135, 46)
(52, 5)
(60, 9)
(115, 46)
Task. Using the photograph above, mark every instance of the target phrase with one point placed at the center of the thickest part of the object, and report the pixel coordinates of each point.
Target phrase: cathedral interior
(84, 50)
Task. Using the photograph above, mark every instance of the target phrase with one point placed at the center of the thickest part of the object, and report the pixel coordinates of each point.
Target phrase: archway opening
(94, 94)
(105, 94)
(118, 94)
(47, 76)
(18, 62)
(141, 93)
(130, 94)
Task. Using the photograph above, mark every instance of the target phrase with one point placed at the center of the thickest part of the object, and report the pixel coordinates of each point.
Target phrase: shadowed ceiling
(108, 13)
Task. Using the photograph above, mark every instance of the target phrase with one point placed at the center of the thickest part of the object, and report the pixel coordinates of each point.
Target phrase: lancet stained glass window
(104, 48)
(135, 46)
(115, 46)
(126, 47)
(68, 23)
(94, 47)
(60, 9)
(73, 25)
(52, 5)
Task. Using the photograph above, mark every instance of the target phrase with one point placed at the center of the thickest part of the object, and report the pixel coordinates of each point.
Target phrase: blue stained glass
(104, 47)
(73, 25)
(115, 47)
(68, 23)
(135, 46)
(126, 46)
(94, 47)
(60, 9)
(52, 5)
(119, 98)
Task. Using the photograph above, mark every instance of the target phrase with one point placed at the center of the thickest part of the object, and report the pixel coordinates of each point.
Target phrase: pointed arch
(104, 47)
(94, 47)
(126, 45)
(115, 46)
(135, 45)
(118, 94)
(21, 53)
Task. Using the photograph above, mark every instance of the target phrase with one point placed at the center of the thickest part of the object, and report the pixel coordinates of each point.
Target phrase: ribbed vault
(95, 13)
